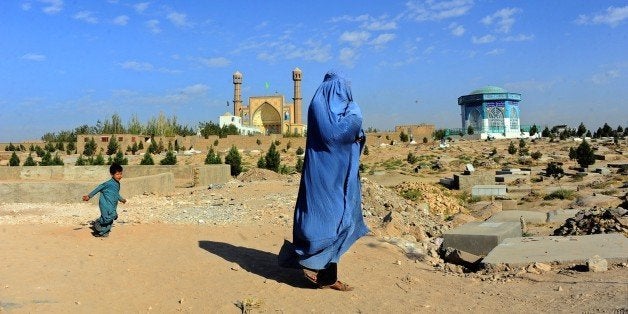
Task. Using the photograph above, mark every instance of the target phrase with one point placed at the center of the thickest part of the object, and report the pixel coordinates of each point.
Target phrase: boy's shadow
(255, 261)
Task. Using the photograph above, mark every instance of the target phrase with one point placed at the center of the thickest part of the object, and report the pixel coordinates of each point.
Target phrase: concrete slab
(571, 249)
(480, 237)
(488, 190)
(515, 216)
(561, 215)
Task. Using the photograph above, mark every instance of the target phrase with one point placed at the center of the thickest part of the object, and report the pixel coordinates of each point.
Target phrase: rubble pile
(438, 200)
(398, 216)
(596, 221)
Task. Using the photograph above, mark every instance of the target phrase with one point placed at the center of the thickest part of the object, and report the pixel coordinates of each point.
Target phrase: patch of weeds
(527, 234)
(578, 177)
(561, 194)
(609, 192)
(411, 194)
(545, 204)
(601, 184)
(392, 164)
(449, 218)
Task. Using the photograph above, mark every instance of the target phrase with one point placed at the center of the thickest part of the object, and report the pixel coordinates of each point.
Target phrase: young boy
(108, 202)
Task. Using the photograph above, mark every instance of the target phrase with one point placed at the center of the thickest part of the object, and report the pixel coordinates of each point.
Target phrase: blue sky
(68, 63)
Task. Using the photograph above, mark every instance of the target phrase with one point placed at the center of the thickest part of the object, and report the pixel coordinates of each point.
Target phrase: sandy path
(207, 269)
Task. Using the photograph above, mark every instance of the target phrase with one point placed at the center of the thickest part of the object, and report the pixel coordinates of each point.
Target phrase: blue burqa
(328, 212)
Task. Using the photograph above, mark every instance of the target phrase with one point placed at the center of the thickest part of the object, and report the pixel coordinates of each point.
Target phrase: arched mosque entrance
(496, 120)
(267, 119)
(475, 120)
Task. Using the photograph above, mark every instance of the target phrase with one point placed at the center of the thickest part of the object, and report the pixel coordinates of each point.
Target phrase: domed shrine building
(491, 112)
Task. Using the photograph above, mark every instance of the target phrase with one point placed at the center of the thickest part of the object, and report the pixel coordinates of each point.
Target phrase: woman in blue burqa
(328, 212)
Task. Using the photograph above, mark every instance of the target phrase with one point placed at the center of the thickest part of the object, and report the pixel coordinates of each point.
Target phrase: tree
(57, 161)
(536, 155)
(113, 146)
(533, 130)
(147, 160)
(299, 165)
(584, 155)
(554, 170)
(46, 159)
(299, 151)
(212, 158)
(546, 132)
(581, 130)
(120, 159)
(80, 161)
(70, 148)
(99, 160)
(365, 151)
(14, 160)
(403, 136)
(261, 162)
(90, 147)
(512, 149)
(470, 130)
(588, 133)
(272, 158)
(234, 159)
(29, 161)
(170, 159)
(152, 148)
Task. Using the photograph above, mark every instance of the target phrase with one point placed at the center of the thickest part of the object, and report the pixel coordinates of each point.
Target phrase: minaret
(296, 77)
(237, 94)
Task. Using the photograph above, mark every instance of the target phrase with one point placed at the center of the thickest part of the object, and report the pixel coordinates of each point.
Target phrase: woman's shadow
(258, 262)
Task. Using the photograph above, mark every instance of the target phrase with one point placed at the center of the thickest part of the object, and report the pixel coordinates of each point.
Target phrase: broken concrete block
(597, 264)
(480, 238)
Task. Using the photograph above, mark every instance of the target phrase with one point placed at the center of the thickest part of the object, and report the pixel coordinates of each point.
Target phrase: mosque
(266, 114)
(492, 112)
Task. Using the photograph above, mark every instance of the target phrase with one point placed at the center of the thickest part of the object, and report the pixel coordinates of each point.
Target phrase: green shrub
(170, 159)
(234, 159)
(14, 160)
(560, 194)
(147, 160)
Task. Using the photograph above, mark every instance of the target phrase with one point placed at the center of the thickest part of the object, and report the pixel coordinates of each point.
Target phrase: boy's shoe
(98, 235)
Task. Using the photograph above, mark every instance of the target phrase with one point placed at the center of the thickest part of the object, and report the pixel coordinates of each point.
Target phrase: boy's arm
(94, 192)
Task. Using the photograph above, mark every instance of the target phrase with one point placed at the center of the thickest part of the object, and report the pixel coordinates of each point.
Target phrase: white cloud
(153, 25)
(141, 7)
(503, 19)
(121, 20)
(356, 38)
(483, 40)
(606, 77)
(379, 24)
(456, 30)
(218, 62)
(86, 17)
(52, 6)
(496, 51)
(137, 66)
(26, 6)
(178, 19)
(612, 17)
(348, 18)
(520, 37)
(348, 56)
(195, 90)
(34, 57)
(382, 39)
(434, 10)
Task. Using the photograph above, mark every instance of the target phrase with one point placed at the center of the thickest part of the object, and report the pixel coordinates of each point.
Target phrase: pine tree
(57, 161)
(512, 149)
(261, 162)
(272, 158)
(533, 130)
(584, 155)
(212, 158)
(46, 160)
(170, 159)
(14, 160)
(581, 130)
(29, 162)
(147, 160)
(120, 159)
(234, 159)
(112, 147)
(99, 160)
(90, 147)
(299, 165)
(80, 161)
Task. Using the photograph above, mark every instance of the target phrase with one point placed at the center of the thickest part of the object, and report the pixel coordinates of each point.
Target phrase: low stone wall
(71, 192)
(62, 184)
(466, 182)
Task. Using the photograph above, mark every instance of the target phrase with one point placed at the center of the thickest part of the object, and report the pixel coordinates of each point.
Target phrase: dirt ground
(231, 267)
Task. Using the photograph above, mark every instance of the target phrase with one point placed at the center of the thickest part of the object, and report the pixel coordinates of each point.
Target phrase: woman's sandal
(338, 285)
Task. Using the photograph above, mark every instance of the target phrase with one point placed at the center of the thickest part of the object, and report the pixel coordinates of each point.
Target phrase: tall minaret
(296, 77)
(237, 94)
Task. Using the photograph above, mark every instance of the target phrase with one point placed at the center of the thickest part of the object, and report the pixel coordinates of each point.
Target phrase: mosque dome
(237, 74)
(489, 90)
